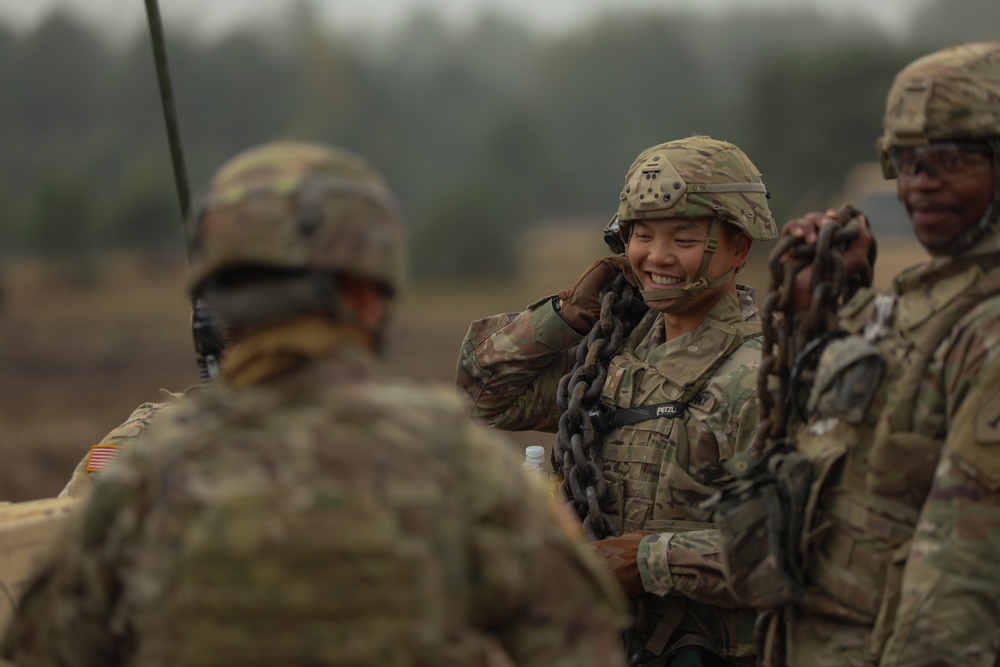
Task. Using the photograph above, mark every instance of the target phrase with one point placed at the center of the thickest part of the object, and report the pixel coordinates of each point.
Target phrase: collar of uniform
(270, 350)
(988, 246)
(747, 302)
(730, 310)
(917, 277)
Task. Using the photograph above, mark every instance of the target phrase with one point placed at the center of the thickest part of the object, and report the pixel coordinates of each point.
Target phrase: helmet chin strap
(987, 225)
(701, 280)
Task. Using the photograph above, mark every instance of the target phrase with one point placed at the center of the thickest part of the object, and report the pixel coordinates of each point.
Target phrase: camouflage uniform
(111, 446)
(949, 613)
(658, 470)
(901, 564)
(309, 510)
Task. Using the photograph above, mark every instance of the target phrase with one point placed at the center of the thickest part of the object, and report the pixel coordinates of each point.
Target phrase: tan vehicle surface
(28, 533)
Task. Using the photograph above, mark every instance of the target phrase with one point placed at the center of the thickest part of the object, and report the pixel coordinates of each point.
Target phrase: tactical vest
(874, 439)
(327, 582)
(299, 537)
(646, 464)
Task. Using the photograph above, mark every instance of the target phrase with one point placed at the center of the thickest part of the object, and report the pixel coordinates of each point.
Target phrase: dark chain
(792, 341)
(579, 399)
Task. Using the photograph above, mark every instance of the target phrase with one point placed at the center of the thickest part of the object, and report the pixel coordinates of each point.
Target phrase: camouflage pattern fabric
(891, 486)
(926, 96)
(660, 470)
(697, 177)
(313, 512)
(687, 564)
(111, 446)
(340, 198)
(949, 612)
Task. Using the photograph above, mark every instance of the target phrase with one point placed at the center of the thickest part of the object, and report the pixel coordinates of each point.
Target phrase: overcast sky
(212, 16)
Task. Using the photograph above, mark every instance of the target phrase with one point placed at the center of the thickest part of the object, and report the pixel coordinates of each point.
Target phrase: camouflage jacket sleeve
(949, 607)
(686, 564)
(72, 614)
(949, 604)
(550, 601)
(510, 366)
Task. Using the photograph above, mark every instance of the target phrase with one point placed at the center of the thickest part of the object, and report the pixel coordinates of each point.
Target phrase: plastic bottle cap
(534, 452)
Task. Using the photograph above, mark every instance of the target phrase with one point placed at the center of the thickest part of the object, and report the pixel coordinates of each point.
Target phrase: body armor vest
(874, 437)
(654, 472)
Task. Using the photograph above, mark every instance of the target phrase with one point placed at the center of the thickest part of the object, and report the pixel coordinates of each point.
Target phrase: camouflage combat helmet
(696, 177)
(949, 95)
(294, 209)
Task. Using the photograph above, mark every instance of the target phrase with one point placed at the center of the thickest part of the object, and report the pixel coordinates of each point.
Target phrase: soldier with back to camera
(676, 401)
(307, 509)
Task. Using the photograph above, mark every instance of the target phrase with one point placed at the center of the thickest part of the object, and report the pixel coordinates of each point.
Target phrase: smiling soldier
(900, 532)
(688, 213)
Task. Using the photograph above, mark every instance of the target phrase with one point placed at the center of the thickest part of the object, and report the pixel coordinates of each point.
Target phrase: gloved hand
(620, 557)
(581, 305)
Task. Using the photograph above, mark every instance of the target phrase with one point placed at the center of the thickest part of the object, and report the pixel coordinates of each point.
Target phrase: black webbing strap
(640, 413)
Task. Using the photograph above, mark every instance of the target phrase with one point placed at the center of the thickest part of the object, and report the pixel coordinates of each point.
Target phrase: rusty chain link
(792, 344)
(579, 399)
(793, 341)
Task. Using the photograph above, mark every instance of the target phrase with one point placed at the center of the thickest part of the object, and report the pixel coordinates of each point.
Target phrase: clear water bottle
(534, 459)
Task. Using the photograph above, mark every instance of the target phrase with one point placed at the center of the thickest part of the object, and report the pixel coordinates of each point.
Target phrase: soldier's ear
(741, 249)
(366, 300)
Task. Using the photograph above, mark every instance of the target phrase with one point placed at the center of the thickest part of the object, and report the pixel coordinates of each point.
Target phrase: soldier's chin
(661, 304)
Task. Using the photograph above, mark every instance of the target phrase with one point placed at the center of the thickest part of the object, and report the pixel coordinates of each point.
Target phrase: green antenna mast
(208, 339)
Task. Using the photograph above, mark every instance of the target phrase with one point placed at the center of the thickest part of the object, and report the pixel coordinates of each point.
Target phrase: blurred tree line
(482, 132)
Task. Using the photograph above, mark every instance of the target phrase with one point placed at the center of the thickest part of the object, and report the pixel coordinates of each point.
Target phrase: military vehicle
(29, 532)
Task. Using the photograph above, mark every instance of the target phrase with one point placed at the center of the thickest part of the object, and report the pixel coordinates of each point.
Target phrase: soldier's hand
(807, 227)
(860, 254)
(620, 558)
(857, 255)
(581, 304)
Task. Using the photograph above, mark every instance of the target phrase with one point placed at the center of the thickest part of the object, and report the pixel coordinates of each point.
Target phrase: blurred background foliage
(483, 132)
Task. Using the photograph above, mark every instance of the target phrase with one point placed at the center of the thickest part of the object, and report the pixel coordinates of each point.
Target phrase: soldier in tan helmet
(678, 399)
(307, 509)
(900, 533)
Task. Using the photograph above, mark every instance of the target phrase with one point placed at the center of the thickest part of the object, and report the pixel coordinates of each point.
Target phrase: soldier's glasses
(947, 162)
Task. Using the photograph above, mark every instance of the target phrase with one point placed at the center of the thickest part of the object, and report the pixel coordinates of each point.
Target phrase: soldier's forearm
(685, 564)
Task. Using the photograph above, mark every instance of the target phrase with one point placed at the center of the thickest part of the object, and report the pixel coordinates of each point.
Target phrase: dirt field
(74, 363)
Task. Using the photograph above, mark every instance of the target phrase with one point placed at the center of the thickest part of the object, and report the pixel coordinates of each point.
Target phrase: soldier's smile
(942, 209)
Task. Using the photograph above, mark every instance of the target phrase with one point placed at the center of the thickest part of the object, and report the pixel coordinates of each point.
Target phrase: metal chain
(792, 341)
(579, 399)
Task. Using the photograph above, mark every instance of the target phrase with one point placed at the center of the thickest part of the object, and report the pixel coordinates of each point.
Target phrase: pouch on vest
(847, 378)
(760, 517)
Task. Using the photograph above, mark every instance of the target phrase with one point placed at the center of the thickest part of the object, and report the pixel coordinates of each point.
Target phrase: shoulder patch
(988, 419)
(101, 455)
(974, 435)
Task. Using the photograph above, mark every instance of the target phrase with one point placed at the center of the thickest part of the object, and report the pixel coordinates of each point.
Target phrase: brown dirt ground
(74, 363)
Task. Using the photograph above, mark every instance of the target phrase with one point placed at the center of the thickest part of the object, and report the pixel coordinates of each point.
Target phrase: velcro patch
(101, 456)
(705, 401)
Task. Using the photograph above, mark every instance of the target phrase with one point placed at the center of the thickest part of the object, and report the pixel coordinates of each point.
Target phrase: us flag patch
(101, 456)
